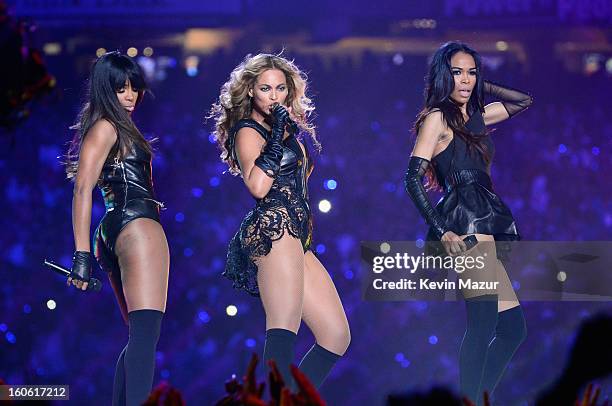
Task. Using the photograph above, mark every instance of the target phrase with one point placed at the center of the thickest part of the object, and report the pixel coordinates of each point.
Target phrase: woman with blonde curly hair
(261, 110)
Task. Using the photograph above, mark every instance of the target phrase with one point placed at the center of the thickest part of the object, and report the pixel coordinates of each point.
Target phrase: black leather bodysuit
(127, 189)
(284, 209)
(469, 204)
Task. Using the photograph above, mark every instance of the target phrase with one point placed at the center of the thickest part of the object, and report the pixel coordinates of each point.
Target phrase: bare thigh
(280, 278)
(323, 312)
(144, 260)
(494, 270)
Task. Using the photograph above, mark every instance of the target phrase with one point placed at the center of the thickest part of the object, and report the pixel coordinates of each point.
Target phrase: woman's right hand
(280, 114)
(80, 272)
(453, 244)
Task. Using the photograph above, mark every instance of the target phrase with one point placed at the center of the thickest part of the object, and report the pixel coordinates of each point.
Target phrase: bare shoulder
(433, 126)
(103, 132)
(431, 135)
(434, 117)
(249, 136)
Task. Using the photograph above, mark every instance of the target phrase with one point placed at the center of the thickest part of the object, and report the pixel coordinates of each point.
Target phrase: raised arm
(511, 102)
(94, 150)
(249, 146)
(260, 160)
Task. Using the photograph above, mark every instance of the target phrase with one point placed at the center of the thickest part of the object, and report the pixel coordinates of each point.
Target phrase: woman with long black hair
(129, 243)
(454, 150)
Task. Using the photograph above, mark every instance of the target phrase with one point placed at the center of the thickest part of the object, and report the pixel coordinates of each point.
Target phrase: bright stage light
(501, 45)
(592, 63)
(191, 65)
(132, 52)
(100, 52)
(385, 247)
(148, 51)
(52, 48)
(51, 305)
(330, 184)
(324, 206)
(231, 310)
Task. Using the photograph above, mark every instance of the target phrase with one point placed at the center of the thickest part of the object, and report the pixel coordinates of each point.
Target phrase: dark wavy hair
(439, 84)
(108, 75)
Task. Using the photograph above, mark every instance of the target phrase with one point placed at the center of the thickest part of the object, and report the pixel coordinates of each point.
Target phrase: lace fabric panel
(282, 210)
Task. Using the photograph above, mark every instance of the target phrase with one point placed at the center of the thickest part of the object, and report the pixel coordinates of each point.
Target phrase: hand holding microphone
(282, 116)
(272, 153)
(80, 273)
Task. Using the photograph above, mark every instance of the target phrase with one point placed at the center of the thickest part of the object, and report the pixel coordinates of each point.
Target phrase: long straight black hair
(438, 88)
(109, 74)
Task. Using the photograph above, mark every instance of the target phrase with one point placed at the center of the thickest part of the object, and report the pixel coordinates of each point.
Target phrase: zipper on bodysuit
(116, 164)
(124, 182)
(160, 204)
(304, 180)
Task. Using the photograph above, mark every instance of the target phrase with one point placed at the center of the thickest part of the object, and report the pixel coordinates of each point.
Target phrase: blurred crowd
(550, 167)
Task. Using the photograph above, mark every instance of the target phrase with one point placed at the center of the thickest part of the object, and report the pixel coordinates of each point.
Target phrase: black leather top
(295, 166)
(125, 179)
(457, 156)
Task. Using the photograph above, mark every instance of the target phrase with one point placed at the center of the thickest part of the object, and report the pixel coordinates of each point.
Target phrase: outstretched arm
(511, 102)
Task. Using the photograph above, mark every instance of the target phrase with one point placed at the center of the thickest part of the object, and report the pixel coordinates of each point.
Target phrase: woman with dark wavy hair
(129, 243)
(261, 109)
(454, 150)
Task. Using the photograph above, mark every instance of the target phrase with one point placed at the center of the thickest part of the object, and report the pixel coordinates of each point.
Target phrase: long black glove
(81, 266)
(414, 186)
(270, 158)
(513, 100)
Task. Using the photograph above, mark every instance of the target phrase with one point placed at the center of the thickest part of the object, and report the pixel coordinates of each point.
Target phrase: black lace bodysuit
(284, 209)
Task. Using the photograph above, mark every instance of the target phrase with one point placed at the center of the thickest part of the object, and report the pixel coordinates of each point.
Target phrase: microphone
(292, 125)
(93, 283)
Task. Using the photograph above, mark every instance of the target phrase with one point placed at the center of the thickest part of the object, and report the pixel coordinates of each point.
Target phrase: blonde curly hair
(235, 103)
